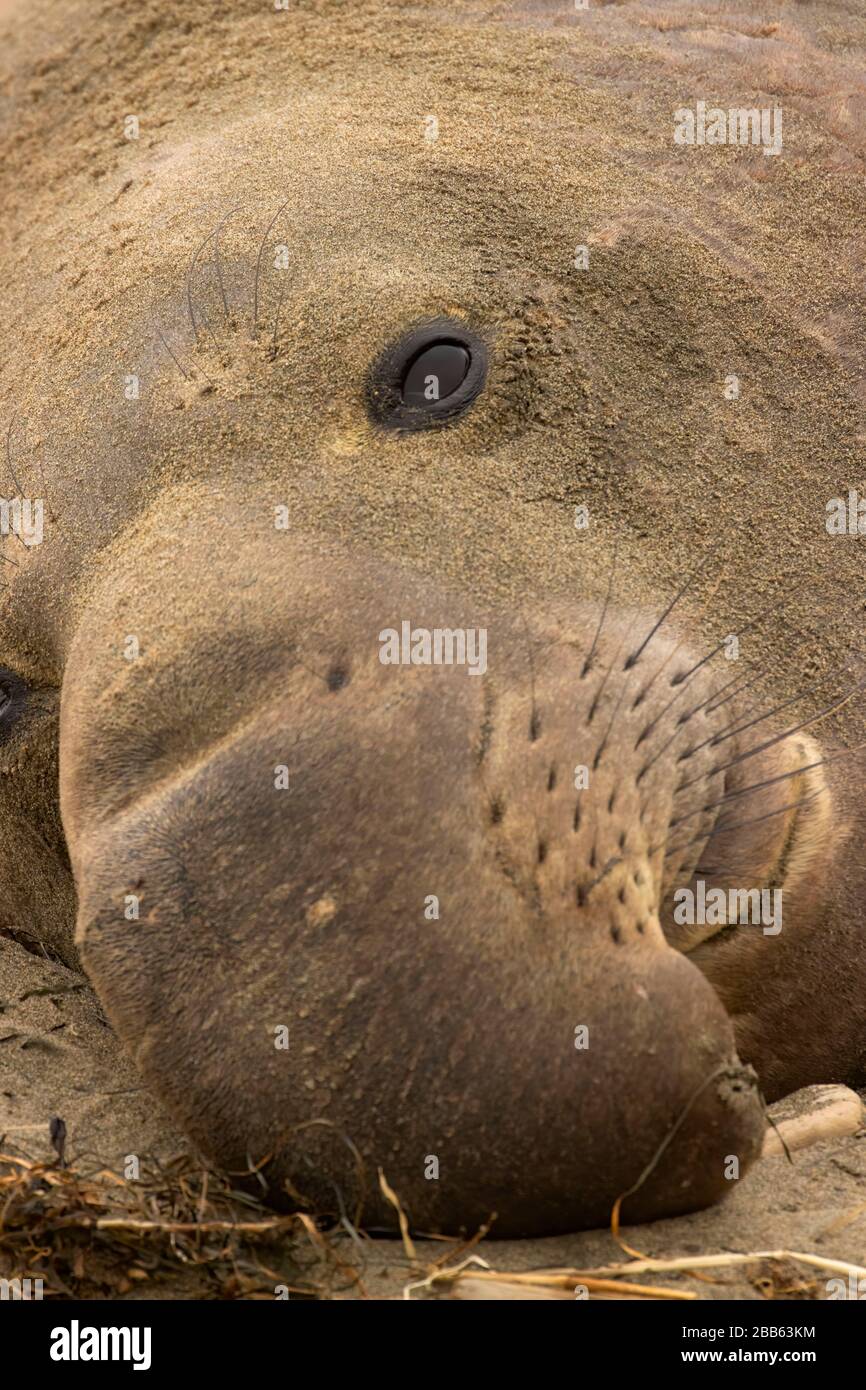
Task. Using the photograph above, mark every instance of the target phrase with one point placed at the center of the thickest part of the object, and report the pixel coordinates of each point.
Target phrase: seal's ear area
(428, 378)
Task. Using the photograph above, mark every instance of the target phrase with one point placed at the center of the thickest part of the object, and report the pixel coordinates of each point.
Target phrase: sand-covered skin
(607, 388)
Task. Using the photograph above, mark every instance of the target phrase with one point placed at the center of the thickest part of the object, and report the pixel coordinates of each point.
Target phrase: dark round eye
(427, 378)
(436, 372)
(13, 696)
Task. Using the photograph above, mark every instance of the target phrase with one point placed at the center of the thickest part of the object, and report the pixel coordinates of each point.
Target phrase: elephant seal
(366, 739)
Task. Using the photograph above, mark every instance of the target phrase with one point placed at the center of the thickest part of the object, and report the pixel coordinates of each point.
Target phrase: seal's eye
(429, 377)
(436, 372)
(13, 695)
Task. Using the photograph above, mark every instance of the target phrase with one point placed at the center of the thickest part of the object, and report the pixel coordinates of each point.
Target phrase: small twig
(391, 1196)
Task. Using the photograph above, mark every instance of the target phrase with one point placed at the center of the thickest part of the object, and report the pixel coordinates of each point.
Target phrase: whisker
(745, 791)
(218, 263)
(587, 665)
(758, 786)
(206, 321)
(218, 259)
(259, 266)
(717, 698)
(644, 691)
(759, 617)
(171, 353)
(606, 735)
(189, 275)
(647, 732)
(635, 656)
(682, 721)
(730, 732)
(753, 675)
(778, 738)
(723, 828)
(678, 729)
(598, 694)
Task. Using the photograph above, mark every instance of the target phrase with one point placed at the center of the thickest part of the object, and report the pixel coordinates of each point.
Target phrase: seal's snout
(439, 900)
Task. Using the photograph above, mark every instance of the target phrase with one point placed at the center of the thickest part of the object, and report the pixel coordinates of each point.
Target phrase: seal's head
(389, 415)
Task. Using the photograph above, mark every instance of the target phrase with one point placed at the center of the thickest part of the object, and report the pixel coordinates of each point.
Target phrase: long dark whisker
(603, 682)
(712, 705)
(647, 687)
(645, 733)
(753, 675)
(635, 656)
(758, 786)
(719, 698)
(730, 731)
(678, 729)
(778, 738)
(681, 722)
(206, 321)
(587, 665)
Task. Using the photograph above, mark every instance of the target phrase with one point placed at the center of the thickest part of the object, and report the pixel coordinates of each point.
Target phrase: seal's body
(389, 765)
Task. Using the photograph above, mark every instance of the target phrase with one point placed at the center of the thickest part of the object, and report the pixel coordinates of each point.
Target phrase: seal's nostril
(435, 373)
(338, 676)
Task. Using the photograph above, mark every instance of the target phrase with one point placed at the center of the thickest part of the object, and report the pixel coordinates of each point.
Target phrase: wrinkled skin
(148, 772)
